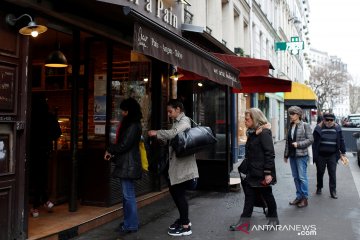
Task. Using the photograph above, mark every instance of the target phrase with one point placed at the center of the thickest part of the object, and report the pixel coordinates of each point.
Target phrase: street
(212, 213)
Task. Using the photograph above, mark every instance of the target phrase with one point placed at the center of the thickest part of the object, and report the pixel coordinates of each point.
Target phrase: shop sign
(294, 46)
(164, 12)
(153, 44)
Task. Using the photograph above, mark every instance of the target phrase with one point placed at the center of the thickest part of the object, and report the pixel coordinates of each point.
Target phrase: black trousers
(39, 177)
(251, 195)
(177, 192)
(330, 162)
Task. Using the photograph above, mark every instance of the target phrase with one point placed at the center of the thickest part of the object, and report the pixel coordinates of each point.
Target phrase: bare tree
(327, 82)
(354, 93)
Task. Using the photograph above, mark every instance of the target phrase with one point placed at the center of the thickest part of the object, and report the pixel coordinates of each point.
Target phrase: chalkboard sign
(6, 89)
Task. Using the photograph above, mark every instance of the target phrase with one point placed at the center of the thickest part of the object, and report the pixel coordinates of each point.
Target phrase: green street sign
(280, 46)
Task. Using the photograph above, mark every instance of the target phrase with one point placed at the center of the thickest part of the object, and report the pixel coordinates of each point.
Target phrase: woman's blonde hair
(257, 116)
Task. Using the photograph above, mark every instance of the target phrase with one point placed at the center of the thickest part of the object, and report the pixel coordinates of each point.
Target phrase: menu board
(6, 89)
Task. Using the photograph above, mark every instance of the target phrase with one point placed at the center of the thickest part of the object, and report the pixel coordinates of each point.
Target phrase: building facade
(251, 28)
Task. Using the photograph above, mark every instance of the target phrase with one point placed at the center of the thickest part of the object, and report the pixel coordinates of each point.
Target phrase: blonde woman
(260, 165)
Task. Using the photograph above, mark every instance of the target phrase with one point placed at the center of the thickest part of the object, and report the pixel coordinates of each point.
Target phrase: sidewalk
(211, 213)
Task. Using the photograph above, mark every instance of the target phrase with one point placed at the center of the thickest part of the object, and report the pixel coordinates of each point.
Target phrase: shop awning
(300, 95)
(254, 75)
(180, 52)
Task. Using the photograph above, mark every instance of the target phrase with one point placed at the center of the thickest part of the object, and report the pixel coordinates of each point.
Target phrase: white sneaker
(34, 212)
(49, 205)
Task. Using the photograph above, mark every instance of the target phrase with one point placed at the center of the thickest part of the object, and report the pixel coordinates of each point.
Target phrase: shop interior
(97, 120)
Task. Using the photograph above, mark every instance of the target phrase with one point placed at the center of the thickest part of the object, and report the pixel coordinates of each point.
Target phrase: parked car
(357, 136)
(353, 120)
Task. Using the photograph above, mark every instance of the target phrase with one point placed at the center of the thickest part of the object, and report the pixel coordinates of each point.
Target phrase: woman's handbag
(143, 156)
(192, 140)
(243, 167)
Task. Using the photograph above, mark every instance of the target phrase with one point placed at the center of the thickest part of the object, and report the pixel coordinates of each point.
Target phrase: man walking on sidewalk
(328, 144)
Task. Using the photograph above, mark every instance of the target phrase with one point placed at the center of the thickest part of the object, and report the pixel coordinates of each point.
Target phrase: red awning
(254, 75)
(247, 66)
(262, 84)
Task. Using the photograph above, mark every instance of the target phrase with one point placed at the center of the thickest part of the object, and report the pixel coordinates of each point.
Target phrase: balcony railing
(188, 18)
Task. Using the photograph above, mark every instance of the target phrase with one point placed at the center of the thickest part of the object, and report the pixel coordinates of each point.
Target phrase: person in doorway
(44, 130)
(126, 156)
(298, 140)
(260, 168)
(328, 148)
(181, 170)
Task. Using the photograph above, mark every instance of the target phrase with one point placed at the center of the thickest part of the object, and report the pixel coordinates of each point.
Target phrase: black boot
(271, 225)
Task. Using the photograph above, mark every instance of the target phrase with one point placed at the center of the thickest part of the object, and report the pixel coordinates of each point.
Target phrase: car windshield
(354, 119)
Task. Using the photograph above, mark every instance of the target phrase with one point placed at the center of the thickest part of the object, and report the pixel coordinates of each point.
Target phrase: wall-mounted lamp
(31, 29)
(176, 76)
(245, 94)
(146, 79)
(186, 3)
(200, 84)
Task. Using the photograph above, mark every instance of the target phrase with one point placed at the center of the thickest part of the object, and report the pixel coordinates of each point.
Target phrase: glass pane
(130, 79)
(6, 146)
(210, 110)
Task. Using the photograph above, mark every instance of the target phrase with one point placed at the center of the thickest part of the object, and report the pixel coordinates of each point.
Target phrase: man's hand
(285, 159)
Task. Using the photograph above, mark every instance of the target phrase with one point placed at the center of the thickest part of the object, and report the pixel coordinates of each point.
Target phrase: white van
(354, 119)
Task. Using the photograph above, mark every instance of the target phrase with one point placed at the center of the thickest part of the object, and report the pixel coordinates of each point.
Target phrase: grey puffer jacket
(184, 168)
(304, 139)
(126, 153)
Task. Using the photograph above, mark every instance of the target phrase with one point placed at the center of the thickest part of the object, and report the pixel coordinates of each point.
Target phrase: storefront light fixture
(200, 84)
(295, 20)
(32, 28)
(146, 79)
(186, 3)
(56, 59)
(176, 76)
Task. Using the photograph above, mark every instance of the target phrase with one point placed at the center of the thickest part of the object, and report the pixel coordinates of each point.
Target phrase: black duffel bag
(192, 140)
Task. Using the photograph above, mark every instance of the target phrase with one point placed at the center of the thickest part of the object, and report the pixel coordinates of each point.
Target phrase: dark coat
(340, 143)
(260, 157)
(126, 153)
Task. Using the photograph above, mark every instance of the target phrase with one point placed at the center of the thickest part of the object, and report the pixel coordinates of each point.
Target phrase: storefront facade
(114, 51)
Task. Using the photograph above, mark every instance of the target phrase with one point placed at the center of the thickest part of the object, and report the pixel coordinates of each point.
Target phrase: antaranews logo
(300, 229)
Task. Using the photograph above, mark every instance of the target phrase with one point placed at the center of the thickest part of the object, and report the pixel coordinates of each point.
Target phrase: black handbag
(192, 140)
(243, 167)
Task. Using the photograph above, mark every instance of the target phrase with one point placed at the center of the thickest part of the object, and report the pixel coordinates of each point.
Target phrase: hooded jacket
(304, 139)
(184, 168)
(260, 157)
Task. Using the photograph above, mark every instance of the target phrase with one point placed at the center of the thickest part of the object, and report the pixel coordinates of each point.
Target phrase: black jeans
(39, 177)
(251, 195)
(177, 192)
(330, 162)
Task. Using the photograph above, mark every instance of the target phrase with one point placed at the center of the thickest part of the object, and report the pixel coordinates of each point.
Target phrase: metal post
(74, 122)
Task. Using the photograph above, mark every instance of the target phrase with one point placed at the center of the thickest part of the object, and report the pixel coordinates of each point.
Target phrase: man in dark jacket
(328, 145)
